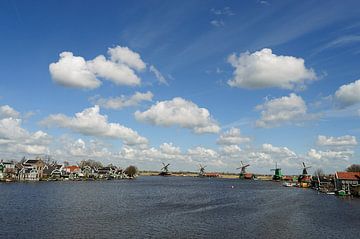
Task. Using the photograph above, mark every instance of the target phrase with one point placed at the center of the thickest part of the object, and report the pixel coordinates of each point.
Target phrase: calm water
(173, 207)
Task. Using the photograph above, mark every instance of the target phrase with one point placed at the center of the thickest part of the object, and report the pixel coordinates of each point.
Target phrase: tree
(319, 172)
(131, 171)
(66, 163)
(353, 168)
(91, 163)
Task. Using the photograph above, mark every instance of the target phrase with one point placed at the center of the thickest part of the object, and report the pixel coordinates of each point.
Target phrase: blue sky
(210, 82)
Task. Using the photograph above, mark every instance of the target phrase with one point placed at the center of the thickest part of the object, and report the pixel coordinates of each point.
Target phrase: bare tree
(319, 172)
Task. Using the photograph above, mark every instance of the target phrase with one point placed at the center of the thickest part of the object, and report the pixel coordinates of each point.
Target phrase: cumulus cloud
(126, 56)
(170, 149)
(349, 94)
(75, 71)
(181, 112)
(346, 140)
(161, 79)
(14, 139)
(263, 69)
(330, 154)
(79, 148)
(230, 150)
(7, 112)
(268, 155)
(118, 103)
(287, 109)
(120, 74)
(232, 137)
(91, 122)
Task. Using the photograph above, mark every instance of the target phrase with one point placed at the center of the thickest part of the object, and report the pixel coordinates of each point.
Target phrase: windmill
(304, 179)
(277, 173)
(165, 170)
(242, 169)
(202, 170)
(304, 172)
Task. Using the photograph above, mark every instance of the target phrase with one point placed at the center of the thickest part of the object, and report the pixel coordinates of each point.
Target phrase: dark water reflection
(173, 207)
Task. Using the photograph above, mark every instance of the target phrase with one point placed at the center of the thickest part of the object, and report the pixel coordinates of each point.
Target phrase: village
(342, 183)
(30, 170)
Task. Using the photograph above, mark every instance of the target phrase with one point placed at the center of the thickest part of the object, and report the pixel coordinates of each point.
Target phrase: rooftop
(348, 175)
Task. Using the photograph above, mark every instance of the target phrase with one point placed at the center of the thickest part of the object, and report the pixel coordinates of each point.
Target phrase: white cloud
(232, 137)
(217, 23)
(230, 150)
(169, 148)
(225, 11)
(14, 139)
(6, 112)
(161, 79)
(119, 74)
(263, 69)
(201, 152)
(346, 140)
(123, 101)
(268, 155)
(126, 56)
(349, 94)
(91, 122)
(179, 111)
(287, 109)
(80, 148)
(330, 154)
(73, 71)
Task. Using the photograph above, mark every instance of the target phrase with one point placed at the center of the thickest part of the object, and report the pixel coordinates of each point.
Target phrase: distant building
(71, 172)
(51, 170)
(32, 170)
(346, 180)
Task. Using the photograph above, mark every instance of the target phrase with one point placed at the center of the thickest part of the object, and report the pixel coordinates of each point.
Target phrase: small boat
(289, 184)
(330, 193)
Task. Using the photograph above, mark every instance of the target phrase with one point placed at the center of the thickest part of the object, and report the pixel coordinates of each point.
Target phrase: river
(173, 207)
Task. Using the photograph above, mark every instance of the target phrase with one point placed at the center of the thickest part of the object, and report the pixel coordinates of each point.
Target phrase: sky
(182, 82)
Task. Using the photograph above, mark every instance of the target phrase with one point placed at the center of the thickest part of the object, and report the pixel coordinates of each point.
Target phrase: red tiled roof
(72, 168)
(348, 175)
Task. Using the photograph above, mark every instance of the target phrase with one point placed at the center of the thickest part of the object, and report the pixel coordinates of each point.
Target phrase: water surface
(173, 207)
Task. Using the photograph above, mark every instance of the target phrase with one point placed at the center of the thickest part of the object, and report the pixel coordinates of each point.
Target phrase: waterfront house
(89, 172)
(55, 174)
(71, 172)
(7, 170)
(105, 172)
(29, 174)
(346, 180)
(2, 170)
(31, 170)
(51, 170)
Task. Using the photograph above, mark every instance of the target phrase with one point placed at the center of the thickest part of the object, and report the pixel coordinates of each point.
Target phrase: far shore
(194, 174)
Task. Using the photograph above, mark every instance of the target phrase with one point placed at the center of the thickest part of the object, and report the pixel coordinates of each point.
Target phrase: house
(89, 172)
(105, 172)
(346, 180)
(71, 172)
(7, 170)
(2, 170)
(51, 170)
(32, 170)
